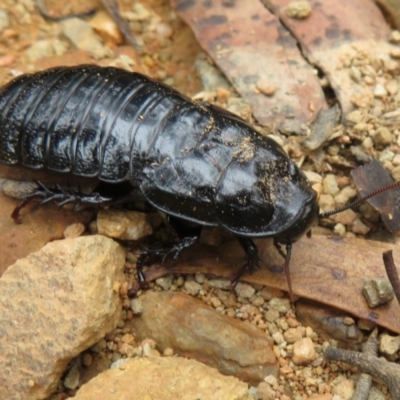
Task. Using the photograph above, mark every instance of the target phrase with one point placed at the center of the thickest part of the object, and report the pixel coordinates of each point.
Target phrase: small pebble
(298, 9)
(164, 30)
(359, 227)
(223, 95)
(396, 160)
(348, 321)
(74, 230)
(220, 283)
(106, 27)
(344, 196)
(271, 380)
(71, 381)
(199, 278)
(215, 302)
(266, 88)
(346, 217)
(355, 74)
(392, 86)
(168, 352)
(192, 287)
(391, 66)
(292, 335)
(395, 53)
(278, 337)
(377, 291)
(136, 306)
(326, 203)
(281, 305)
(395, 172)
(382, 137)
(354, 117)
(272, 315)
(376, 394)
(344, 389)
(313, 177)
(389, 344)
(257, 301)
(380, 91)
(87, 359)
(244, 290)
(330, 185)
(395, 36)
(304, 352)
(265, 392)
(340, 230)
(165, 282)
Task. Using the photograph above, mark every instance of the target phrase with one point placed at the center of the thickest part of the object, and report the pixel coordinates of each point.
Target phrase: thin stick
(392, 273)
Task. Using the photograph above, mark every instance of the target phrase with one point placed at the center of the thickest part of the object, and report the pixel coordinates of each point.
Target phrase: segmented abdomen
(95, 122)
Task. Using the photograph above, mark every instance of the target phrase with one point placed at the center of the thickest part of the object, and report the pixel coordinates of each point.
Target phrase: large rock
(163, 378)
(195, 330)
(54, 304)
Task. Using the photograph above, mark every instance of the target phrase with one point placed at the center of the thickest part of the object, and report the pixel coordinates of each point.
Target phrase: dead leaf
(329, 270)
(253, 49)
(373, 176)
(336, 31)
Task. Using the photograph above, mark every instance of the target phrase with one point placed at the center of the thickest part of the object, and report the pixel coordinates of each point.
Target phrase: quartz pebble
(192, 287)
(382, 137)
(330, 185)
(281, 305)
(389, 344)
(292, 335)
(244, 290)
(344, 389)
(74, 230)
(298, 9)
(165, 282)
(304, 351)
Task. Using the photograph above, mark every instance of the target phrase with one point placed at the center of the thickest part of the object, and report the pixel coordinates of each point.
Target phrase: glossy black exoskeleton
(192, 160)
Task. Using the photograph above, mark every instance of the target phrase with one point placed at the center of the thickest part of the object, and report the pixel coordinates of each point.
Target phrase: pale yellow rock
(106, 27)
(304, 352)
(82, 37)
(124, 225)
(344, 389)
(54, 304)
(197, 331)
(163, 378)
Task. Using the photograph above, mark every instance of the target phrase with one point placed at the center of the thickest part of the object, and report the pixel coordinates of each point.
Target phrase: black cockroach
(192, 160)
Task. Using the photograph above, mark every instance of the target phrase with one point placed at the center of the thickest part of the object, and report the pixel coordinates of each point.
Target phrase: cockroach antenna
(361, 200)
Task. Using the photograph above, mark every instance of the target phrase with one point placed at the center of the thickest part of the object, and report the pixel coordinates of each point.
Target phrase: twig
(112, 7)
(370, 364)
(392, 273)
(364, 383)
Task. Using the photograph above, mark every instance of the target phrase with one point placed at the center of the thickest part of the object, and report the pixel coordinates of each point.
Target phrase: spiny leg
(162, 253)
(62, 195)
(187, 233)
(252, 258)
